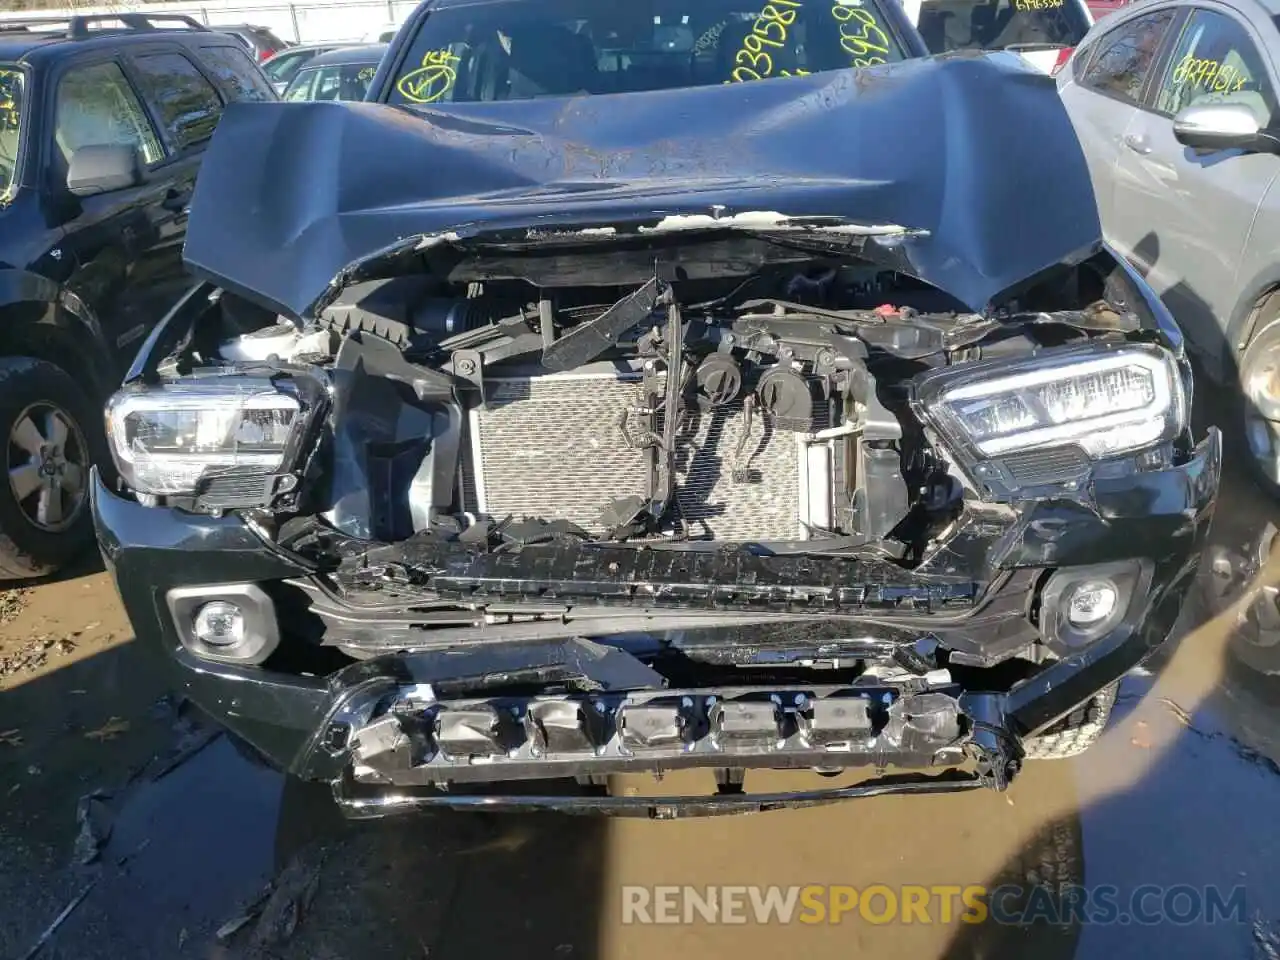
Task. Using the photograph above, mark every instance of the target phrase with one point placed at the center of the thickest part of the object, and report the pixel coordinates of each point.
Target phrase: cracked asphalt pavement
(130, 828)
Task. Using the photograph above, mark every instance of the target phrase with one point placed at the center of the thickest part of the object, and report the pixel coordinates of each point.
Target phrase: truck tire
(54, 433)
(1076, 732)
(1254, 640)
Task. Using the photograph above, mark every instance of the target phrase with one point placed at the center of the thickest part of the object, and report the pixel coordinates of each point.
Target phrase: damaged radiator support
(660, 497)
(635, 515)
(650, 421)
(680, 438)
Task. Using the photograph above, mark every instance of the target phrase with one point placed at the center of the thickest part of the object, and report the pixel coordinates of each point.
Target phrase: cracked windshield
(11, 85)
(518, 51)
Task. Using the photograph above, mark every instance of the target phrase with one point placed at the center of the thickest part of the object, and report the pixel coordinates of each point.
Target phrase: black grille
(235, 488)
(1039, 467)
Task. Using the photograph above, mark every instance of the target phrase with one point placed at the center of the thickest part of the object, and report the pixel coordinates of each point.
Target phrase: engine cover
(552, 446)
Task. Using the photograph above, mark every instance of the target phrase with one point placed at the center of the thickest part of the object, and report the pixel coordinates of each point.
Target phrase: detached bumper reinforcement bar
(358, 804)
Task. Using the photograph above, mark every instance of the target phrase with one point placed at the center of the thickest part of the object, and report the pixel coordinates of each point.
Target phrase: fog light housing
(1081, 604)
(219, 624)
(232, 623)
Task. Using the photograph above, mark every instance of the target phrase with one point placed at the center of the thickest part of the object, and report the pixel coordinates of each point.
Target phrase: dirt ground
(76, 692)
(130, 829)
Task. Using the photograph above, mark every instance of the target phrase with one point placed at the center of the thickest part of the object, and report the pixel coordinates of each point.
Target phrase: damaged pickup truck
(800, 423)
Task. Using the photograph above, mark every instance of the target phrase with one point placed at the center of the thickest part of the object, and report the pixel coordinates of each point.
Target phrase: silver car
(284, 66)
(1174, 104)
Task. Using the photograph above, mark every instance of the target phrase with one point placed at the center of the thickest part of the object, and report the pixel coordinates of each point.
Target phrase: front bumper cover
(420, 728)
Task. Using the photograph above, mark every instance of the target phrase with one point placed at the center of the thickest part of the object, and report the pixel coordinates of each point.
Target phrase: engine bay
(714, 391)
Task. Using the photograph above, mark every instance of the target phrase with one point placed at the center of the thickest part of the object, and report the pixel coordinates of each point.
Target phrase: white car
(382, 34)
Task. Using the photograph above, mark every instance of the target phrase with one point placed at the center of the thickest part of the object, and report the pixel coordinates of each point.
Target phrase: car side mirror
(1222, 126)
(103, 167)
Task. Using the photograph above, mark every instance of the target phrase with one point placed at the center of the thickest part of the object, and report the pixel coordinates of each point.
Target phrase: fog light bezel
(262, 633)
(1130, 578)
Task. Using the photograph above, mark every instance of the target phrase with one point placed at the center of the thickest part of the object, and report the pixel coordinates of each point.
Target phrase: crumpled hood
(974, 155)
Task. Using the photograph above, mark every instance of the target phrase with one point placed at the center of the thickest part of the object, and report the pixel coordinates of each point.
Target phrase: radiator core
(552, 447)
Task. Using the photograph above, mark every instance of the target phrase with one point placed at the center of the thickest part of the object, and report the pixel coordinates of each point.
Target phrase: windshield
(546, 48)
(1002, 24)
(346, 81)
(11, 98)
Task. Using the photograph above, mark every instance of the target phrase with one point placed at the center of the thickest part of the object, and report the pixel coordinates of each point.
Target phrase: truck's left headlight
(1103, 399)
(167, 439)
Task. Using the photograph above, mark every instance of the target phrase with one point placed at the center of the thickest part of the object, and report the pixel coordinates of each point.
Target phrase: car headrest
(552, 59)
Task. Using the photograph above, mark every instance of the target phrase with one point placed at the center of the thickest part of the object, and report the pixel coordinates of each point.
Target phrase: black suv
(103, 122)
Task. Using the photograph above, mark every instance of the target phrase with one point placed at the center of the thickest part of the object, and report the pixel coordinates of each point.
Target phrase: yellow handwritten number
(1209, 74)
(860, 35)
(768, 30)
(753, 60)
(771, 14)
(860, 46)
(760, 32)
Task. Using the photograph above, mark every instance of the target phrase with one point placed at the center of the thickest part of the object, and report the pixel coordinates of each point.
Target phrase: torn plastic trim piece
(579, 663)
(365, 804)
(727, 580)
(588, 340)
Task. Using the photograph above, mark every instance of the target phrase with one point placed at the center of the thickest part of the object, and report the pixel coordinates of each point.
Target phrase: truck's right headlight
(1103, 399)
(168, 439)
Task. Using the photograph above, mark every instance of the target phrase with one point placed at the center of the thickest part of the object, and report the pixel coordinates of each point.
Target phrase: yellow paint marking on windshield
(10, 124)
(432, 80)
(1038, 4)
(860, 35)
(753, 61)
(1208, 74)
(10, 84)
